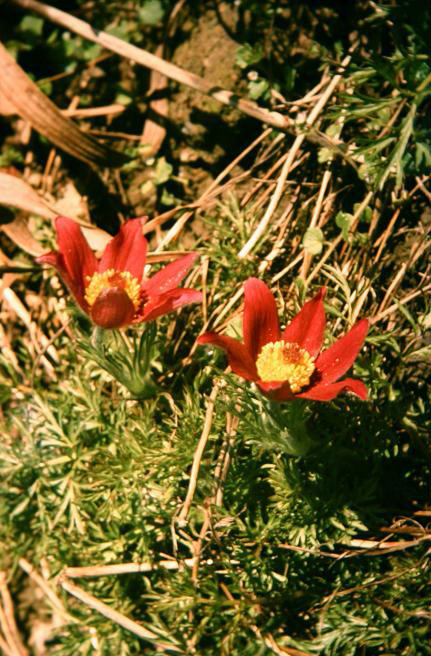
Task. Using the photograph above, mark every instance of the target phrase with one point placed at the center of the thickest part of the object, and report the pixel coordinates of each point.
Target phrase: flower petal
(238, 357)
(307, 327)
(56, 260)
(112, 308)
(260, 321)
(126, 251)
(170, 276)
(338, 358)
(53, 259)
(331, 390)
(276, 391)
(78, 259)
(170, 300)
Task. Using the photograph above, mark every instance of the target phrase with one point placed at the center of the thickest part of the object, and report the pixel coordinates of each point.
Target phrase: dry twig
(147, 59)
(30, 103)
(118, 618)
(198, 454)
(309, 121)
(12, 644)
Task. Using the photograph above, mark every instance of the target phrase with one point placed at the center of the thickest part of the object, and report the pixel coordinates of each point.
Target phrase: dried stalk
(222, 467)
(382, 315)
(198, 454)
(147, 59)
(117, 617)
(45, 117)
(52, 598)
(314, 218)
(158, 64)
(311, 118)
(7, 621)
(127, 568)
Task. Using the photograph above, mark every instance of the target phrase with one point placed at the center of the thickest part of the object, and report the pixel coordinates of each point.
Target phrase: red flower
(290, 364)
(110, 290)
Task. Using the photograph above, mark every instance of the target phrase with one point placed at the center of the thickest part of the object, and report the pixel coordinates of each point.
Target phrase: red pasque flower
(111, 290)
(290, 364)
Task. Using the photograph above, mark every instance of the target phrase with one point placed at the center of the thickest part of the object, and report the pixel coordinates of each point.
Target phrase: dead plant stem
(311, 118)
(7, 618)
(199, 453)
(314, 218)
(153, 62)
(117, 617)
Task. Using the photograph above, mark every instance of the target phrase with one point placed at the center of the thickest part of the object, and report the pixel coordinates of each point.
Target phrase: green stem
(290, 421)
(98, 337)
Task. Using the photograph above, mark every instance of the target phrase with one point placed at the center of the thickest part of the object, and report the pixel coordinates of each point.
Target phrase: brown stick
(147, 59)
(127, 568)
(152, 61)
(118, 618)
(7, 620)
(279, 189)
(45, 117)
(198, 455)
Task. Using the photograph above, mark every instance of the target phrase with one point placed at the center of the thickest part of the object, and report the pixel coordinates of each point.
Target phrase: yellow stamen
(284, 361)
(111, 278)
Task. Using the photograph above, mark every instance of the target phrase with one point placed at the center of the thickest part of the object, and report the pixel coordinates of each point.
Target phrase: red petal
(330, 391)
(51, 258)
(127, 251)
(170, 276)
(307, 327)
(238, 357)
(112, 308)
(260, 321)
(56, 260)
(171, 300)
(78, 259)
(338, 358)
(276, 391)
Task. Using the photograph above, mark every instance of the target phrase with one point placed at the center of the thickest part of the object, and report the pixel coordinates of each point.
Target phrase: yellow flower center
(284, 361)
(111, 278)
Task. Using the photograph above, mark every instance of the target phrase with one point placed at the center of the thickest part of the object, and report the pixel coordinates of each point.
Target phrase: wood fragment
(45, 117)
(154, 133)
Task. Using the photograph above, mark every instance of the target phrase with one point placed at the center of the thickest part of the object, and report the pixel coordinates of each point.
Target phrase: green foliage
(151, 12)
(94, 470)
(313, 241)
(257, 88)
(128, 362)
(11, 157)
(31, 25)
(246, 55)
